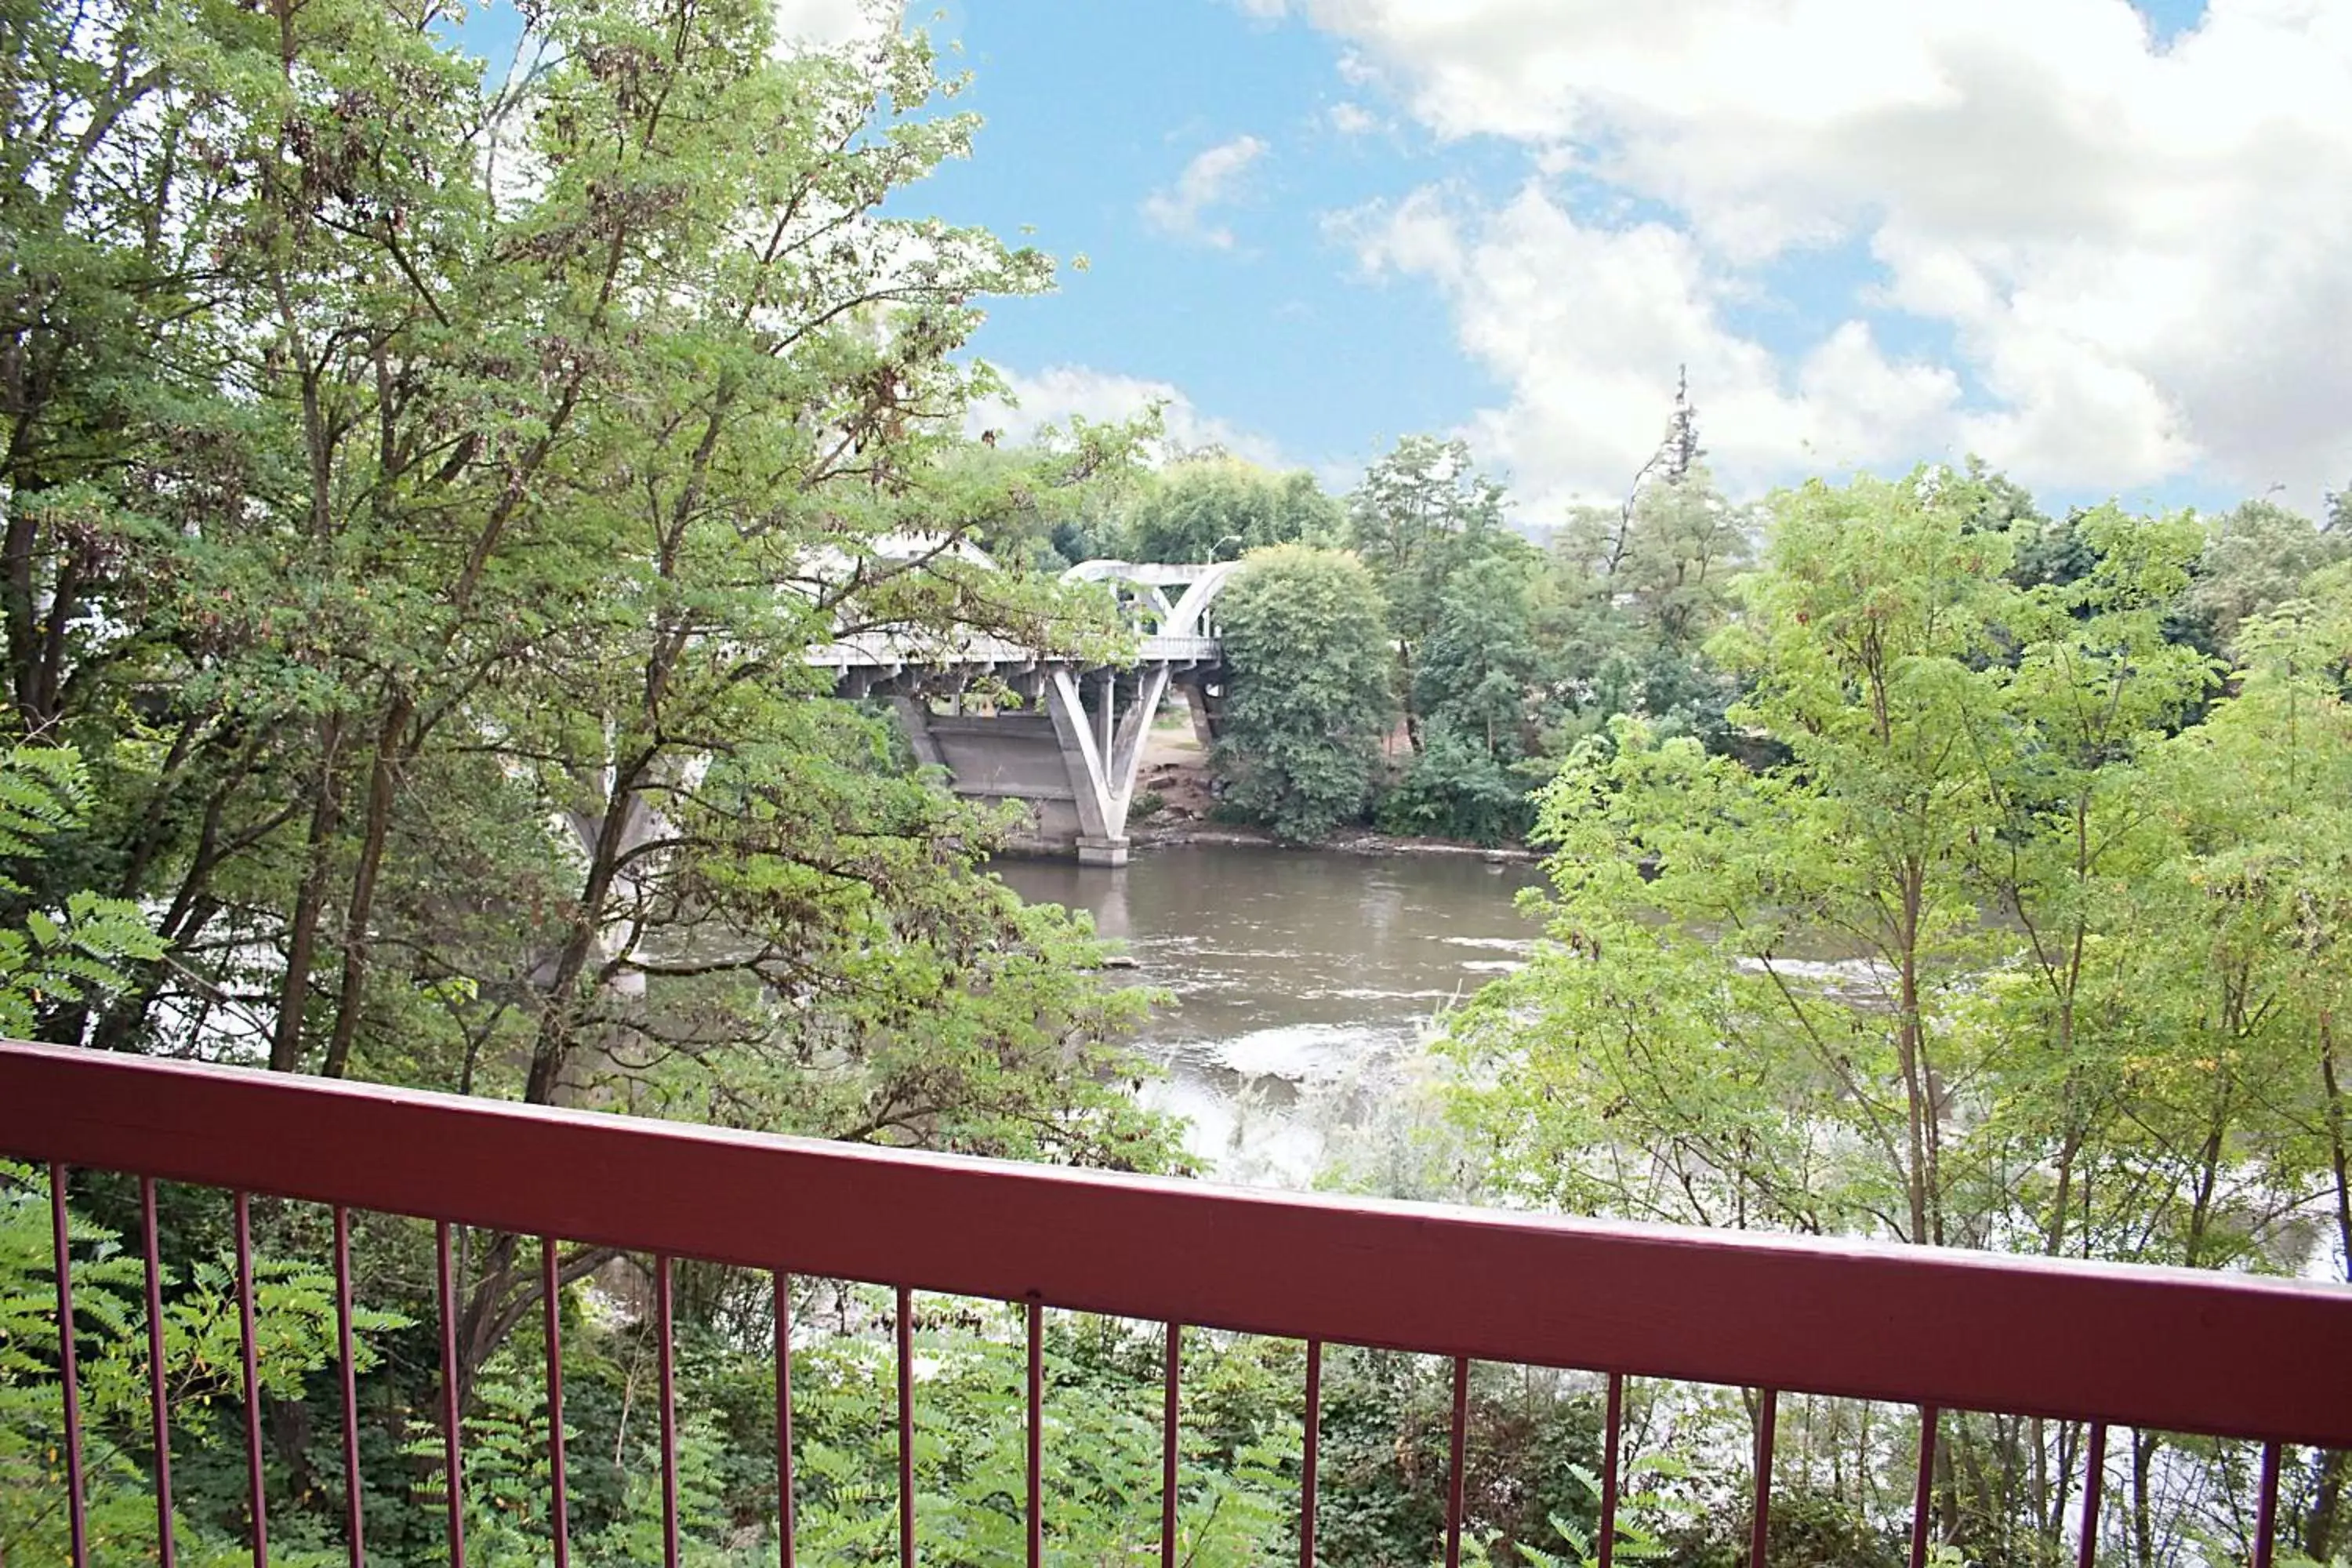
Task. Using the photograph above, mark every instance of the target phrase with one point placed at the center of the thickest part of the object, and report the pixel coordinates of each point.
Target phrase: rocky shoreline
(1352, 841)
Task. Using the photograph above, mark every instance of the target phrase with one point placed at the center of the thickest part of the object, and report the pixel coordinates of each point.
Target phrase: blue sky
(1091, 106)
(1878, 231)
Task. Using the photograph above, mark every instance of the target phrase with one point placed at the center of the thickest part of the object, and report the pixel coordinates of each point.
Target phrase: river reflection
(1300, 978)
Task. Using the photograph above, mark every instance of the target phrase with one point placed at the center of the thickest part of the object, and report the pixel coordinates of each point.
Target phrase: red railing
(2168, 1350)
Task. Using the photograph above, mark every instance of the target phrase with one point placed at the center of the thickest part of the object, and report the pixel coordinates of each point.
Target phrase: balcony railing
(2222, 1355)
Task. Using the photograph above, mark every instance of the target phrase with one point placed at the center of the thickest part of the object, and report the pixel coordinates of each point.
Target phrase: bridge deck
(882, 650)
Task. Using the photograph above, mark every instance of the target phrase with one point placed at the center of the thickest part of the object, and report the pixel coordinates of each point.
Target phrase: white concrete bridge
(1071, 749)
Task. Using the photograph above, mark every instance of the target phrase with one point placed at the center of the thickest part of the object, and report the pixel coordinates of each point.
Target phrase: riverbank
(1175, 782)
(1350, 841)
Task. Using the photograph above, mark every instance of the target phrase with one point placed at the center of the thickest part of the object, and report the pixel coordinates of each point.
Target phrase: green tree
(2239, 952)
(1478, 688)
(2256, 558)
(1419, 515)
(1635, 593)
(1306, 637)
(2005, 954)
(1931, 713)
(1219, 509)
(431, 497)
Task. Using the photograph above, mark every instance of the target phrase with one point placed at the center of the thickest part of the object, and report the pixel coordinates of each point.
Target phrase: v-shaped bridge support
(1102, 751)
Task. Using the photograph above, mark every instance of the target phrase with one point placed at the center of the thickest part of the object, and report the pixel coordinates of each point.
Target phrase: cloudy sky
(2107, 244)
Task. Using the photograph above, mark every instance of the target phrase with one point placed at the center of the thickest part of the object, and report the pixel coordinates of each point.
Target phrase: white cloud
(2138, 252)
(1587, 326)
(825, 23)
(1052, 395)
(1353, 119)
(1213, 177)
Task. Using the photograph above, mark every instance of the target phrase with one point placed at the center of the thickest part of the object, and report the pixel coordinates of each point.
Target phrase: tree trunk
(382, 777)
(1918, 1104)
(2330, 1469)
(2329, 1474)
(2337, 1151)
(309, 901)
(2143, 1520)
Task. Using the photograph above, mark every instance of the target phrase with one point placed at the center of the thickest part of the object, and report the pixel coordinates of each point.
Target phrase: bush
(1456, 789)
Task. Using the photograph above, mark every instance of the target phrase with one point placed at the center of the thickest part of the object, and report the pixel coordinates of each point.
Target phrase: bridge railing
(2224, 1355)
(883, 651)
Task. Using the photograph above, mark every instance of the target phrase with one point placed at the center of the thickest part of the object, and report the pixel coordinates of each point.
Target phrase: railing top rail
(2169, 1349)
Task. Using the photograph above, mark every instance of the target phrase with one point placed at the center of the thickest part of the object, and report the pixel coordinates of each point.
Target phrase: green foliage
(59, 954)
(1477, 689)
(1386, 1439)
(1419, 515)
(420, 523)
(1481, 659)
(422, 536)
(1220, 509)
(1806, 1530)
(1654, 1511)
(1951, 740)
(2256, 558)
(1635, 593)
(1456, 788)
(1506, 659)
(2012, 934)
(1304, 636)
(1237, 1478)
(295, 1337)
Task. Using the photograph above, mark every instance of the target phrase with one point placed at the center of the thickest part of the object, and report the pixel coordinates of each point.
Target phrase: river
(1301, 979)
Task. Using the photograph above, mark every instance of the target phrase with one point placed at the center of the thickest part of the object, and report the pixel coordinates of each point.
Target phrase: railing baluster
(453, 1460)
(1169, 1450)
(1037, 1435)
(1924, 1491)
(77, 1523)
(550, 1294)
(1308, 1454)
(166, 1547)
(2086, 1551)
(784, 1419)
(1610, 1439)
(1454, 1476)
(906, 1427)
(668, 1368)
(1768, 1416)
(354, 1531)
(2266, 1507)
(255, 1502)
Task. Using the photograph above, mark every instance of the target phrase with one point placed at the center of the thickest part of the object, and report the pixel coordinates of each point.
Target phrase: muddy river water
(1301, 978)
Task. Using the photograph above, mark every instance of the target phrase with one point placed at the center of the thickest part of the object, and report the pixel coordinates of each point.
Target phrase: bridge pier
(1072, 759)
(1111, 853)
(1072, 754)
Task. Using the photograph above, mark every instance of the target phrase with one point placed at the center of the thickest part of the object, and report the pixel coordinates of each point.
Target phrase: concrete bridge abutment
(1071, 750)
(1071, 759)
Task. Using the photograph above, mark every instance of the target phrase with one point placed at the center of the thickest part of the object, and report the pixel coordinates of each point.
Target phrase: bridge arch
(1145, 588)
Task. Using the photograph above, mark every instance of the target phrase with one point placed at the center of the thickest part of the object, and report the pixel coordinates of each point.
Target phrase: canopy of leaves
(1220, 509)
(421, 493)
(1306, 637)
